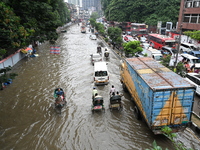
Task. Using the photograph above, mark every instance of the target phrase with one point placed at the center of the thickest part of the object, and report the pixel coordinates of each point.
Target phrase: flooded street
(28, 120)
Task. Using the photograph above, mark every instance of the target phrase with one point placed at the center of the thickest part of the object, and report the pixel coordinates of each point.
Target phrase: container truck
(161, 97)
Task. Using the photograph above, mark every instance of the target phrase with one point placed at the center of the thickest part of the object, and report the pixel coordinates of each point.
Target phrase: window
(186, 18)
(193, 18)
(188, 4)
(198, 21)
(196, 3)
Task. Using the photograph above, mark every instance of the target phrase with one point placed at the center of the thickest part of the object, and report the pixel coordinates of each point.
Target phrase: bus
(139, 29)
(158, 41)
(126, 26)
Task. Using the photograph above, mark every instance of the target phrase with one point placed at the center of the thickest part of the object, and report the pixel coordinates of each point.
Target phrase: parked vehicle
(143, 39)
(95, 58)
(161, 97)
(153, 53)
(139, 29)
(169, 51)
(187, 47)
(195, 53)
(158, 41)
(93, 37)
(128, 38)
(192, 60)
(194, 79)
(101, 75)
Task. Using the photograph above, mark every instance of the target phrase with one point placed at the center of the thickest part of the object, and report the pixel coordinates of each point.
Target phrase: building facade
(189, 15)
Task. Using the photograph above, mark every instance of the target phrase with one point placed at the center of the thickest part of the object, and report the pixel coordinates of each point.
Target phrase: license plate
(115, 105)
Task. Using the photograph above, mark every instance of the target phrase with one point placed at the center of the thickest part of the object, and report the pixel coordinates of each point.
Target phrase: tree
(132, 48)
(147, 11)
(193, 34)
(26, 21)
(115, 35)
(13, 34)
(100, 28)
(94, 15)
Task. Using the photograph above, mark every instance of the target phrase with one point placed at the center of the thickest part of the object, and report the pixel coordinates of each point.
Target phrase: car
(93, 37)
(169, 51)
(143, 39)
(95, 58)
(128, 38)
(195, 53)
(194, 79)
(187, 47)
(192, 60)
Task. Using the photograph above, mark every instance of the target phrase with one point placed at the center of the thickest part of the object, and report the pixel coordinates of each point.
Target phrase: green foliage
(94, 15)
(148, 11)
(193, 34)
(106, 39)
(25, 21)
(156, 147)
(92, 22)
(132, 47)
(167, 131)
(100, 28)
(180, 69)
(115, 34)
(13, 34)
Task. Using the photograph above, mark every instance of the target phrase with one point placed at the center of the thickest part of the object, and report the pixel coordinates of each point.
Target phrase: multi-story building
(94, 4)
(189, 15)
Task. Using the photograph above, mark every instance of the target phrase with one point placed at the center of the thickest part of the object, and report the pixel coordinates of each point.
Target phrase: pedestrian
(94, 92)
(112, 90)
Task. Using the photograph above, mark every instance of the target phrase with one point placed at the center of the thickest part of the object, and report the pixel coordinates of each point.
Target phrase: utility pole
(180, 33)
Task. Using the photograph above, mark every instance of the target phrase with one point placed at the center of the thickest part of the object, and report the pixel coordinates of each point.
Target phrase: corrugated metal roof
(156, 75)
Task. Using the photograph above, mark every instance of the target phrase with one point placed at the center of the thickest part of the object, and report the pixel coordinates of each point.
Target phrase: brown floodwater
(28, 120)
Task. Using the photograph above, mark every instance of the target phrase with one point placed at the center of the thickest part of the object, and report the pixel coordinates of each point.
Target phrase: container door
(182, 101)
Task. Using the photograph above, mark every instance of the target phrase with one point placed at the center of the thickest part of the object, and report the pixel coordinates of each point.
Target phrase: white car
(95, 58)
(93, 37)
(194, 79)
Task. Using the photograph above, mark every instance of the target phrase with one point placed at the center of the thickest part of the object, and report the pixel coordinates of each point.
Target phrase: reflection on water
(28, 120)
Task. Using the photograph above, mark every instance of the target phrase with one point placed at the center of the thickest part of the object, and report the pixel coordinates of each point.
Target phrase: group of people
(113, 93)
(60, 96)
(190, 68)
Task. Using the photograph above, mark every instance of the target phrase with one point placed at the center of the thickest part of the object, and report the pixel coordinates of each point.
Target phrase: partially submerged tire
(137, 113)
(124, 87)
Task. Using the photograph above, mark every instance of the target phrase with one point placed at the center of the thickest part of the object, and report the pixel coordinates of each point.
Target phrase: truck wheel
(137, 113)
(124, 87)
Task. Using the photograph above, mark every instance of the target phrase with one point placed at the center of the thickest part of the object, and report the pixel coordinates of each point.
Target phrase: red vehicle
(126, 26)
(139, 29)
(158, 41)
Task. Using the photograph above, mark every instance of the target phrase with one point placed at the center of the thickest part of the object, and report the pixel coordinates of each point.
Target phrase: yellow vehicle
(161, 97)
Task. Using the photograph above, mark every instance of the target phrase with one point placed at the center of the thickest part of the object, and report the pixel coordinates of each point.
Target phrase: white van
(101, 75)
(194, 78)
(192, 60)
(154, 53)
(187, 47)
